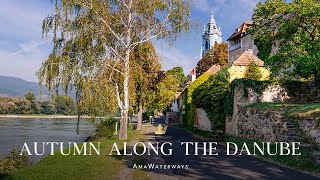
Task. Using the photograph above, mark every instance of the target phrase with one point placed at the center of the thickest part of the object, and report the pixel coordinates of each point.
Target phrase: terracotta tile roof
(213, 69)
(241, 29)
(193, 71)
(246, 58)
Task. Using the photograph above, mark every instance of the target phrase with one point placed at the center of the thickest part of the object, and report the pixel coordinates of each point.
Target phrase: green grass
(56, 167)
(294, 112)
(302, 162)
(297, 111)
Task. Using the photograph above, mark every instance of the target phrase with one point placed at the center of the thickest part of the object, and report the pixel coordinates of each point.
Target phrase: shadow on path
(210, 167)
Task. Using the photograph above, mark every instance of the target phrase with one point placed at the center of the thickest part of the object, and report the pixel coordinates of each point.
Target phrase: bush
(13, 161)
(146, 115)
(106, 128)
(253, 72)
(213, 97)
(190, 110)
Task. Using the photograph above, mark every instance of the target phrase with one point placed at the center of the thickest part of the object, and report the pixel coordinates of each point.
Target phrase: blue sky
(22, 49)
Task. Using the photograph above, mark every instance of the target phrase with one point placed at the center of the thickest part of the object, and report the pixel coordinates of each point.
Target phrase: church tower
(211, 35)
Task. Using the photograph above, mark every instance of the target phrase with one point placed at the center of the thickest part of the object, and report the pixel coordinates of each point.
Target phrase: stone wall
(295, 92)
(202, 120)
(311, 128)
(264, 125)
(270, 125)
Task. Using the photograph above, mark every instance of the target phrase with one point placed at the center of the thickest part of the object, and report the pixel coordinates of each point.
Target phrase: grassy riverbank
(55, 167)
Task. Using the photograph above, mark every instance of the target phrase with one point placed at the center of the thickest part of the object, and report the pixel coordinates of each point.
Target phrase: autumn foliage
(217, 55)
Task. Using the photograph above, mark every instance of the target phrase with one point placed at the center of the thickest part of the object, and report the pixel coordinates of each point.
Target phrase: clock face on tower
(215, 36)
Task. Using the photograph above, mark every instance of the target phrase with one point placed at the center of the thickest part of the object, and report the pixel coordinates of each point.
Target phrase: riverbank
(50, 116)
(103, 166)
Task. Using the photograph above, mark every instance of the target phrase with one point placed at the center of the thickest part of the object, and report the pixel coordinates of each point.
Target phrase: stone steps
(316, 156)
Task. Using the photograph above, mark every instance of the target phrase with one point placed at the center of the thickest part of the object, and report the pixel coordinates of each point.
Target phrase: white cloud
(23, 63)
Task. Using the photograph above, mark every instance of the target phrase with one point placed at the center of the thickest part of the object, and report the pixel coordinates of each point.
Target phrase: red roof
(246, 58)
(193, 71)
(213, 69)
(240, 30)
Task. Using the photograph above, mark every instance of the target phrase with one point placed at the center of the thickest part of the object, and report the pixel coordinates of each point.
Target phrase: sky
(22, 48)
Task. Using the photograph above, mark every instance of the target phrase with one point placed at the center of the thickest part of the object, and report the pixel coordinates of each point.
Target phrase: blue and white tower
(211, 35)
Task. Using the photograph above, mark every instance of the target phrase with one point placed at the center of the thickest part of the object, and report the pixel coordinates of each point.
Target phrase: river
(16, 131)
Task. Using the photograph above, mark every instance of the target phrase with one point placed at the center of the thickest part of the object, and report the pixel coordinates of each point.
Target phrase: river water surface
(16, 131)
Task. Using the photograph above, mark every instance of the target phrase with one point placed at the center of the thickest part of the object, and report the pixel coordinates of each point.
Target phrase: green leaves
(213, 96)
(287, 36)
(253, 72)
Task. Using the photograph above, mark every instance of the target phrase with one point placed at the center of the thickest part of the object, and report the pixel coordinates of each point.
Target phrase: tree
(253, 71)
(217, 55)
(47, 108)
(30, 96)
(165, 93)
(93, 39)
(295, 27)
(64, 105)
(178, 73)
(145, 70)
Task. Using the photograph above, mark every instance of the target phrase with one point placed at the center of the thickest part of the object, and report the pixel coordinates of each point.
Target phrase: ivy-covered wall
(214, 97)
(189, 108)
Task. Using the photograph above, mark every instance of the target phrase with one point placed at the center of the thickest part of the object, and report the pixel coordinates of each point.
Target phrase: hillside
(12, 86)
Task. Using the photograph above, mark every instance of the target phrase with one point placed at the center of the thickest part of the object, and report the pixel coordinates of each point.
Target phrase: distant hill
(12, 86)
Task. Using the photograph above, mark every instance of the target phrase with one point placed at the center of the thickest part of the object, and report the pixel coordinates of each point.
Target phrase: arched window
(207, 45)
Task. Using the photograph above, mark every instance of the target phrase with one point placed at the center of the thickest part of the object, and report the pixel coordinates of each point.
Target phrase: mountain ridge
(14, 86)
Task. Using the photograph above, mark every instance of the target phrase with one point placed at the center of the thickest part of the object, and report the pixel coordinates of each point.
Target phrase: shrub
(13, 161)
(106, 128)
(190, 110)
(213, 97)
(253, 72)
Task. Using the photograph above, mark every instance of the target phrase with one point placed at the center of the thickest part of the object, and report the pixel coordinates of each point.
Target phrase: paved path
(215, 167)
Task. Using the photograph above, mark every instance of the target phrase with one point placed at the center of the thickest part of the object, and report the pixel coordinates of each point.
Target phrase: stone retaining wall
(267, 125)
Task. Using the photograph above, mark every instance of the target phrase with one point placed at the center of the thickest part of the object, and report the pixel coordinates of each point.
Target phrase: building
(192, 75)
(239, 66)
(175, 106)
(211, 35)
(240, 41)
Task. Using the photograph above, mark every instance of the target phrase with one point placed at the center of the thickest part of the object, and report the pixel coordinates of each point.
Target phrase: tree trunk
(139, 124)
(78, 123)
(125, 107)
(123, 125)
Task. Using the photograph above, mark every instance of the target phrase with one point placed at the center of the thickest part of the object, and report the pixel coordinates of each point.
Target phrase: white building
(211, 35)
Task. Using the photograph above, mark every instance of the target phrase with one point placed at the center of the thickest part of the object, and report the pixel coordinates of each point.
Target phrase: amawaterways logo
(160, 166)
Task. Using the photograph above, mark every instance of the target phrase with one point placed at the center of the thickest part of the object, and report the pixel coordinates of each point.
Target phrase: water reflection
(16, 131)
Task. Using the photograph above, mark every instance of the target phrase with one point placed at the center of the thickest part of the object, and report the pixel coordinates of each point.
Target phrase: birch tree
(93, 39)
